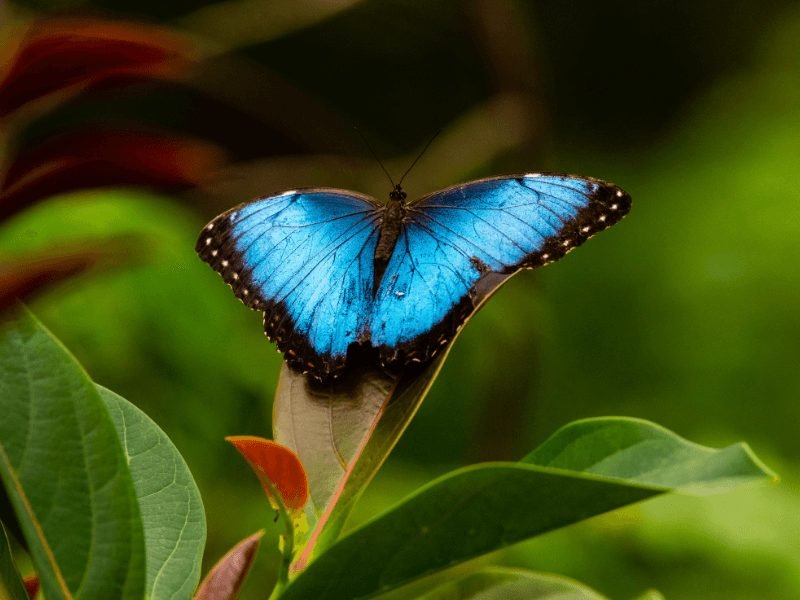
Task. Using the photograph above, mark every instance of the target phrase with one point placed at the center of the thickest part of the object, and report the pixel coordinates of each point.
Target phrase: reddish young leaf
(225, 579)
(279, 465)
(31, 585)
(104, 158)
(24, 277)
(58, 55)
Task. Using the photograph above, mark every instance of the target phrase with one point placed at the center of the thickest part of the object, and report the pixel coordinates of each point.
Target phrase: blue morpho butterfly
(335, 271)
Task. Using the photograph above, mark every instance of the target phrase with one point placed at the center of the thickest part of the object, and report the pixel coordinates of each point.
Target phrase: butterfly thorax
(391, 224)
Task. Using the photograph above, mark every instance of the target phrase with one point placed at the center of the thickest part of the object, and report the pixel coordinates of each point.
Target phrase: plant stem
(288, 541)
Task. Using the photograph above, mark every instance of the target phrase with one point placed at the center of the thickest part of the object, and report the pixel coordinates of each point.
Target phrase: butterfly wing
(459, 244)
(304, 258)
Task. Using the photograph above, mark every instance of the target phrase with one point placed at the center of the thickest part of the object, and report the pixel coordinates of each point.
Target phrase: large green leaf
(482, 508)
(65, 471)
(11, 585)
(169, 501)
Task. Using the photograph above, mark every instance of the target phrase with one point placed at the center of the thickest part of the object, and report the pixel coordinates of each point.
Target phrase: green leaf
(11, 585)
(497, 583)
(169, 501)
(65, 472)
(642, 452)
(485, 507)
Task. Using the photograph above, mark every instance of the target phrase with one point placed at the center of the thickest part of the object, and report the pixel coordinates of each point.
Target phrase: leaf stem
(288, 540)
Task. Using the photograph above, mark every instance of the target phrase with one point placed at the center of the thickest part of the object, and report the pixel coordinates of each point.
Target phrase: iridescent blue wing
(460, 243)
(304, 258)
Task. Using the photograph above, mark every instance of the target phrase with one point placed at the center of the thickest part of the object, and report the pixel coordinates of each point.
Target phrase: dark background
(686, 313)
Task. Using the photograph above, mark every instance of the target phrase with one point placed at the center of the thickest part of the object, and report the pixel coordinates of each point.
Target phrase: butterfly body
(391, 224)
(333, 270)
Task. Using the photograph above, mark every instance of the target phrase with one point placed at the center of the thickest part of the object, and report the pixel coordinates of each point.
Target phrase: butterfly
(334, 270)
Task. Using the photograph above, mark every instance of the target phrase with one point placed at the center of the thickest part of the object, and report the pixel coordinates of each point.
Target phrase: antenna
(430, 141)
(375, 156)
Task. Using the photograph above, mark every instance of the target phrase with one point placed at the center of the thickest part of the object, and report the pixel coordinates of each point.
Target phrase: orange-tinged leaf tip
(225, 579)
(63, 54)
(278, 464)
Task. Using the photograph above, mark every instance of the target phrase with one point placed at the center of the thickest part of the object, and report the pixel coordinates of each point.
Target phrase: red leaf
(31, 583)
(105, 158)
(57, 55)
(30, 275)
(279, 465)
(225, 579)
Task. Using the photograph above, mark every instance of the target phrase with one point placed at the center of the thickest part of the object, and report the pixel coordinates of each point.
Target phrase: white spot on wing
(533, 174)
(620, 193)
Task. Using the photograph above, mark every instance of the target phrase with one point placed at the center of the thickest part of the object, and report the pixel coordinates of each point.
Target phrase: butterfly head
(397, 193)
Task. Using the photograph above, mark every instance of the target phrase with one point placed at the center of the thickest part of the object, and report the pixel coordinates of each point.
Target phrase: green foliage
(585, 469)
(106, 504)
(144, 320)
(145, 517)
(684, 315)
(171, 510)
(81, 521)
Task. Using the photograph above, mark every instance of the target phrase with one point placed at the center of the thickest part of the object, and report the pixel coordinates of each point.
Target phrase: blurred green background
(686, 313)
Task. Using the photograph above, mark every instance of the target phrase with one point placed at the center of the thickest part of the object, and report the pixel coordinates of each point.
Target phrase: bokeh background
(686, 313)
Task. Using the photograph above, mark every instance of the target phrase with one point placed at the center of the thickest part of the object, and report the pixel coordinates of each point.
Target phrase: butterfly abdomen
(390, 231)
